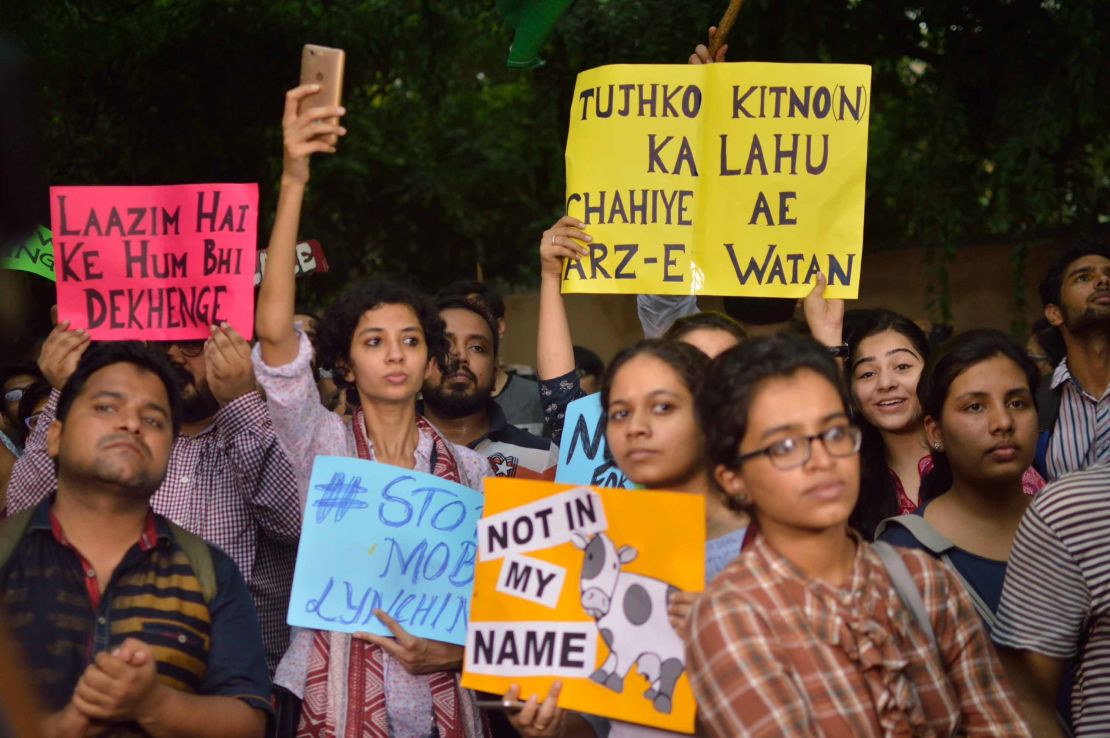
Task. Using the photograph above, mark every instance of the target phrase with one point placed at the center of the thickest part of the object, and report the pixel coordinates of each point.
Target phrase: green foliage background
(989, 117)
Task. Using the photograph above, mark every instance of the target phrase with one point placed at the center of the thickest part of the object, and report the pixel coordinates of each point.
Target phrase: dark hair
(587, 362)
(487, 296)
(951, 360)
(760, 310)
(688, 363)
(1053, 280)
(335, 333)
(734, 378)
(1050, 340)
(303, 310)
(36, 392)
(463, 302)
(102, 354)
(7, 371)
(878, 497)
(709, 320)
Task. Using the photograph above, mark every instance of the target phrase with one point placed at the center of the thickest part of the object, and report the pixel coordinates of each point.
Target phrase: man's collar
(42, 519)
(1061, 374)
(497, 420)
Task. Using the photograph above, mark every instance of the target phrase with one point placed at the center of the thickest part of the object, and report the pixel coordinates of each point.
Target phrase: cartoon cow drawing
(631, 615)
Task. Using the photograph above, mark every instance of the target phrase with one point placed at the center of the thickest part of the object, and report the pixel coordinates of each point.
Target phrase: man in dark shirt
(130, 626)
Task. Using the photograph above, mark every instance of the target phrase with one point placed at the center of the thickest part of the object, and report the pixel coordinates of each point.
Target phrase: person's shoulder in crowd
(1089, 486)
(520, 399)
(515, 452)
(896, 535)
(473, 466)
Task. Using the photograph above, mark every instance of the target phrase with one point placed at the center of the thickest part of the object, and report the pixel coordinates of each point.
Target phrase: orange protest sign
(572, 583)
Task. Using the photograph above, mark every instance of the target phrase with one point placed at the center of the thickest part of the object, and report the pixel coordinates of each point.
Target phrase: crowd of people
(902, 538)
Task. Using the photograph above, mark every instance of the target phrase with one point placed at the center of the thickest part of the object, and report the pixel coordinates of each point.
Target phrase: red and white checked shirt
(231, 484)
(777, 654)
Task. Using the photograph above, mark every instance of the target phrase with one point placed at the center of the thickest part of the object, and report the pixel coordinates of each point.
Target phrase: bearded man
(1075, 403)
(459, 401)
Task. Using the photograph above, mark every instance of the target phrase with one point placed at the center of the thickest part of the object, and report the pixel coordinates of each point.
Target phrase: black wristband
(839, 352)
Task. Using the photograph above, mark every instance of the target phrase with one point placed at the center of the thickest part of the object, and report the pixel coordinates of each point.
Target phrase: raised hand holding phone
(277, 294)
(305, 131)
(323, 67)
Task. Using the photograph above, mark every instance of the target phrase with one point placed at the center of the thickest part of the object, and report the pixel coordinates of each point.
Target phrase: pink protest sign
(155, 263)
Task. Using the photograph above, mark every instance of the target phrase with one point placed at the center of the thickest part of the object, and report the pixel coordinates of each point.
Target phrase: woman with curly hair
(379, 340)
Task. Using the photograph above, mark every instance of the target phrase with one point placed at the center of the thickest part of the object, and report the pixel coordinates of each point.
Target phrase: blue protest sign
(378, 536)
(582, 452)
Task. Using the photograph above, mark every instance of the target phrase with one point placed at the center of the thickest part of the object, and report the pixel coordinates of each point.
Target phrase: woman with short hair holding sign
(379, 338)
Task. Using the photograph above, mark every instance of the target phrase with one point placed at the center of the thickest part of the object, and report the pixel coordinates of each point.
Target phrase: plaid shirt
(777, 654)
(231, 484)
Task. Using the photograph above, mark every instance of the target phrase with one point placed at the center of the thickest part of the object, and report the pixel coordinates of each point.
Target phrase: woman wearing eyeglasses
(806, 633)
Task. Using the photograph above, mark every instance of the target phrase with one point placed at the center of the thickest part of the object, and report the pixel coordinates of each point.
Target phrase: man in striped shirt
(1076, 406)
(229, 480)
(129, 627)
(1056, 601)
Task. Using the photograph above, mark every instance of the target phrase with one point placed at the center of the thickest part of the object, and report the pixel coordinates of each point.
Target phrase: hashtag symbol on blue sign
(340, 496)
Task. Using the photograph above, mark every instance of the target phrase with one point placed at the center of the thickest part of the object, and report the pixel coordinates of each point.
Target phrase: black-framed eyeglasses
(794, 451)
(188, 349)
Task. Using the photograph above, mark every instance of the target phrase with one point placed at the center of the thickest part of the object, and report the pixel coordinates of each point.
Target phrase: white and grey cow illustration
(631, 615)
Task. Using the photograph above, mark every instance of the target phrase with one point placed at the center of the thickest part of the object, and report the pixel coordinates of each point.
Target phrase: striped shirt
(776, 653)
(514, 452)
(1063, 541)
(57, 612)
(1081, 436)
(231, 484)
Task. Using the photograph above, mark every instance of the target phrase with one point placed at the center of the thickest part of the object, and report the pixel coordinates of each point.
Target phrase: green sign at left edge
(35, 255)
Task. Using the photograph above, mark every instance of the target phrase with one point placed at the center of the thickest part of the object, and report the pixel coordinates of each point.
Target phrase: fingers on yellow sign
(572, 584)
(719, 179)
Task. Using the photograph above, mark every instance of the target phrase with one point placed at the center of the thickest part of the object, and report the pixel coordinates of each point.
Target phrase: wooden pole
(724, 27)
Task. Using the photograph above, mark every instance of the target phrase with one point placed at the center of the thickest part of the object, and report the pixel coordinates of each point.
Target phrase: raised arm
(303, 136)
(824, 317)
(658, 313)
(701, 53)
(554, 347)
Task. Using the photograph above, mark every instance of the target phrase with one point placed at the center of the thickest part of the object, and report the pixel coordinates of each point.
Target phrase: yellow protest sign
(572, 583)
(719, 179)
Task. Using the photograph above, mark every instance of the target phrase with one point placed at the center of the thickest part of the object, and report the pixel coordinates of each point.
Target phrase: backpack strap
(905, 586)
(936, 544)
(1048, 403)
(920, 529)
(200, 558)
(1048, 409)
(11, 533)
